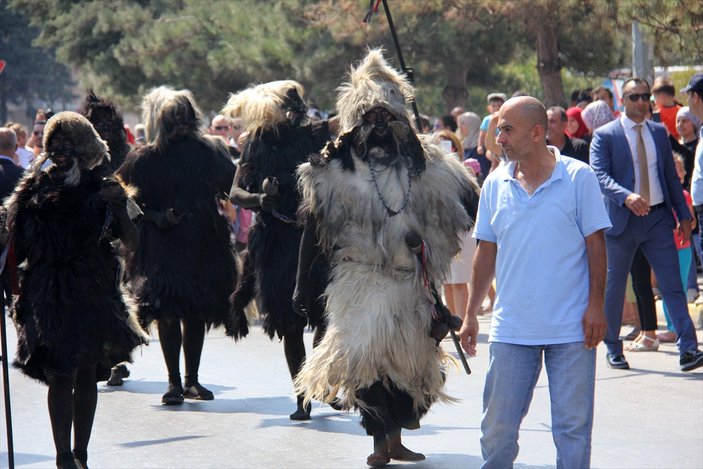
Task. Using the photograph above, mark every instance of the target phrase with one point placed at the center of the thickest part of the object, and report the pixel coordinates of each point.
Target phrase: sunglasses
(38, 132)
(222, 127)
(634, 97)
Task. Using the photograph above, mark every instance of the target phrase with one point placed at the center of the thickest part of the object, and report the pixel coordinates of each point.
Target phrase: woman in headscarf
(596, 114)
(575, 127)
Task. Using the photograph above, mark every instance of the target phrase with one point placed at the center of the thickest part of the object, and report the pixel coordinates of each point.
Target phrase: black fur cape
(187, 270)
(270, 270)
(70, 310)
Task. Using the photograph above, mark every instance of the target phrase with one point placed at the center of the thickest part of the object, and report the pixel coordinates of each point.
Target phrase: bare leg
(449, 297)
(85, 400)
(400, 452)
(60, 401)
(460, 292)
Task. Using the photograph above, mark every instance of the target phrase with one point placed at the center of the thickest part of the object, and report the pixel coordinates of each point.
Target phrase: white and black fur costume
(72, 308)
(377, 353)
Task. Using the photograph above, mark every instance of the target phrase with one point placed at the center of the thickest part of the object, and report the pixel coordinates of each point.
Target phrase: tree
(450, 44)
(31, 72)
(580, 35)
(675, 26)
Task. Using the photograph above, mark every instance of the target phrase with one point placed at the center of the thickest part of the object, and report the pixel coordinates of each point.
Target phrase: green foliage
(31, 72)
(674, 26)
(460, 49)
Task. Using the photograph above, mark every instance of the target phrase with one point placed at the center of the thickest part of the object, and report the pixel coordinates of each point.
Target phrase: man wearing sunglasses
(633, 160)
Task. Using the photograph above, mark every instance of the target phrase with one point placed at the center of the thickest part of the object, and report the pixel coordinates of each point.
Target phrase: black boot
(81, 458)
(65, 461)
(303, 412)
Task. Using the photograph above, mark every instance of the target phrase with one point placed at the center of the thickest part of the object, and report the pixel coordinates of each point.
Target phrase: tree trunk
(455, 93)
(548, 62)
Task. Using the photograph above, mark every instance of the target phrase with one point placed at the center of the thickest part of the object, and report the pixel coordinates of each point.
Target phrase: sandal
(198, 392)
(378, 459)
(634, 333)
(173, 396)
(647, 345)
(667, 337)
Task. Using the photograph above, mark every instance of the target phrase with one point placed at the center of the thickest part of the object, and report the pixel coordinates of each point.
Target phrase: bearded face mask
(295, 108)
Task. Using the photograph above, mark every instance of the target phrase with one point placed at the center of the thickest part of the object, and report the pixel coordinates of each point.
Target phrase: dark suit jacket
(10, 174)
(612, 161)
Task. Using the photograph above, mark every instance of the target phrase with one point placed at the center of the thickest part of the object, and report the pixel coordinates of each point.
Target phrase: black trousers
(388, 409)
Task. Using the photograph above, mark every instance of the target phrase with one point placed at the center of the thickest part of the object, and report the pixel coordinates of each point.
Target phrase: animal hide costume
(185, 265)
(109, 125)
(280, 141)
(72, 309)
(362, 199)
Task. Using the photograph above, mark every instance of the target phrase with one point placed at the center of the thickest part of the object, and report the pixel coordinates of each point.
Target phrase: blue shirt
(697, 178)
(541, 264)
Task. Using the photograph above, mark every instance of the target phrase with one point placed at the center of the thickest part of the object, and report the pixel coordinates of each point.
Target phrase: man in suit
(10, 173)
(633, 160)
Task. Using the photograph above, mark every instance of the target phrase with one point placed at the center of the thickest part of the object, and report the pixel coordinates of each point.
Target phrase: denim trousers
(510, 383)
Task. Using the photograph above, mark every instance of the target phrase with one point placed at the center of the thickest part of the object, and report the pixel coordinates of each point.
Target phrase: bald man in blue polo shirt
(540, 223)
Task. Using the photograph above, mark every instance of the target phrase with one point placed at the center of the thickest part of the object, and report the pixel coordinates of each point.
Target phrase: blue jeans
(510, 383)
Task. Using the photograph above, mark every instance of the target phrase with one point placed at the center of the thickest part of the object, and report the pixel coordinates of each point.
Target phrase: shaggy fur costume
(276, 148)
(109, 125)
(71, 310)
(377, 352)
(187, 270)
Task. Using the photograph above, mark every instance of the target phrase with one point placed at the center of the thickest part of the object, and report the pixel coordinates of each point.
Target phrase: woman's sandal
(667, 337)
(647, 345)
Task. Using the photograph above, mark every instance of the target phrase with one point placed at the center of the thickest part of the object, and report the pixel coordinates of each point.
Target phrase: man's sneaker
(691, 360)
(691, 295)
(617, 361)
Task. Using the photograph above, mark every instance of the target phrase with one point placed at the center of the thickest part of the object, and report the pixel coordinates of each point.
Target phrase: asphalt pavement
(648, 417)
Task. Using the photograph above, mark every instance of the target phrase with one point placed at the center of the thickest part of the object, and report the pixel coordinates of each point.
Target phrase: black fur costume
(270, 270)
(186, 270)
(109, 125)
(70, 310)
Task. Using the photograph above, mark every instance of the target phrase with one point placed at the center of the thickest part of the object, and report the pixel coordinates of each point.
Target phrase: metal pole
(6, 389)
(408, 72)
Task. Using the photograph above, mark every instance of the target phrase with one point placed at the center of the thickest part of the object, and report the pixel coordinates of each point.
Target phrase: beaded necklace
(406, 199)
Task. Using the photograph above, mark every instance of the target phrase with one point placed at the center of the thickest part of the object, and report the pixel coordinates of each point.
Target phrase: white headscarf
(596, 114)
(473, 124)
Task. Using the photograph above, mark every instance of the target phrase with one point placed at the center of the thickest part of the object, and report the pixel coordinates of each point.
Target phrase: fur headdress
(109, 124)
(169, 114)
(264, 106)
(96, 108)
(89, 149)
(372, 83)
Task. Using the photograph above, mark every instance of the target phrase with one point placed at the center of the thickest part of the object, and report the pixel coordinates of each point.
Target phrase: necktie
(642, 164)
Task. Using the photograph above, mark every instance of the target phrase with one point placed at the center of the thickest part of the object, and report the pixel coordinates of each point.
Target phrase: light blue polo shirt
(541, 263)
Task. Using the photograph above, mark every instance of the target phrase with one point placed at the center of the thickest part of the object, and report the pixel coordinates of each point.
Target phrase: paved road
(648, 417)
